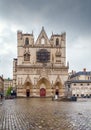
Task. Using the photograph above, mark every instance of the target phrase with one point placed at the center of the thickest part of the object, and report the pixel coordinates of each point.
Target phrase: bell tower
(24, 44)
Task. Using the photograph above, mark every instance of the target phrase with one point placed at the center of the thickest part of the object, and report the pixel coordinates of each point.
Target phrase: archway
(27, 92)
(28, 88)
(58, 87)
(43, 81)
(43, 85)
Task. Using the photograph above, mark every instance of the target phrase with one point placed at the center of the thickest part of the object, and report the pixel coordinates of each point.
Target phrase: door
(42, 92)
(57, 92)
(27, 93)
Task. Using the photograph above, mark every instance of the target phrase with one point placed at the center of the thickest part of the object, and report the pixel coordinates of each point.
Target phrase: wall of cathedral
(40, 67)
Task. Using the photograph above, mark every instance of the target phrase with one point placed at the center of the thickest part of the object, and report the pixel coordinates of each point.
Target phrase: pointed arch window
(26, 57)
(27, 41)
(57, 42)
(58, 53)
(42, 41)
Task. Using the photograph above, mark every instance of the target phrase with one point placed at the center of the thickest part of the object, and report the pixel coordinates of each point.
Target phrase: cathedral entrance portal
(28, 93)
(28, 87)
(42, 92)
(58, 89)
(43, 85)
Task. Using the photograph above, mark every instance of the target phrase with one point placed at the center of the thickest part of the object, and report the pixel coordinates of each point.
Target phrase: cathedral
(40, 68)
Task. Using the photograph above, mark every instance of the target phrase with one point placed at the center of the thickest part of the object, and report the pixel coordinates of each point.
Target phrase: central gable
(42, 38)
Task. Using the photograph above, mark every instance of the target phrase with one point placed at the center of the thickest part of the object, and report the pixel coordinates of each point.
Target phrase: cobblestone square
(45, 114)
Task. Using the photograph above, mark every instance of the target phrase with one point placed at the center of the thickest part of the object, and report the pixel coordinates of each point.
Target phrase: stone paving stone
(44, 114)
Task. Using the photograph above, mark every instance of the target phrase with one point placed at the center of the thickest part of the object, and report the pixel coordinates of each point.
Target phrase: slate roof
(80, 81)
(81, 73)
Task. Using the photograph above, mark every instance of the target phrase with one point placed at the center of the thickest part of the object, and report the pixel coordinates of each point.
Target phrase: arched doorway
(44, 87)
(58, 88)
(28, 93)
(28, 89)
(42, 92)
(57, 92)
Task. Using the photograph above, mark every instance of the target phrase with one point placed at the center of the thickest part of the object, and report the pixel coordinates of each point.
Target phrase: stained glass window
(43, 56)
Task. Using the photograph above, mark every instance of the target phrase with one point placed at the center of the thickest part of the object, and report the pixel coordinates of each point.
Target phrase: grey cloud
(71, 13)
(6, 65)
(72, 16)
(79, 53)
(7, 52)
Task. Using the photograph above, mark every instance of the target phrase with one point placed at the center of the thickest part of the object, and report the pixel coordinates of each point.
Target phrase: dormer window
(26, 57)
(57, 42)
(26, 41)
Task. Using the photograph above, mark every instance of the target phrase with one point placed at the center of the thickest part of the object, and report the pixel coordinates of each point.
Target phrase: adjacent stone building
(7, 83)
(79, 83)
(40, 68)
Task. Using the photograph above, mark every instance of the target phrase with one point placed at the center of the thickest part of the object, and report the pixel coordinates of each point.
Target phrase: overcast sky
(70, 16)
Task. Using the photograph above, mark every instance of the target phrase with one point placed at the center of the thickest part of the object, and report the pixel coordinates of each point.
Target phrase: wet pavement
(45, 114)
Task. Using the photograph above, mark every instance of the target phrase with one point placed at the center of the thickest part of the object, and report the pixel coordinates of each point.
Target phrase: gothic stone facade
(40, 68)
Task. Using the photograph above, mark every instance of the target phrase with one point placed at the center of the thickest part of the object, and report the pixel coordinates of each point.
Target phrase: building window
(26, 57)
(77, 95)
(86, 95)
(74, 95)
(82, 95)
(26, 41)
(68, 85)
(57, 42)
(42, 41)
(43, 56)
(74, 84)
